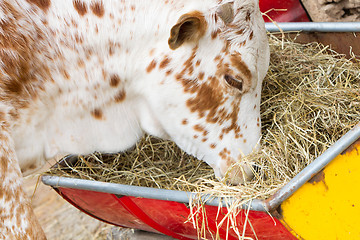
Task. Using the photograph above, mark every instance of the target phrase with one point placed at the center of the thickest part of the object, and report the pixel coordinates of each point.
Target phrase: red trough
(169, 217)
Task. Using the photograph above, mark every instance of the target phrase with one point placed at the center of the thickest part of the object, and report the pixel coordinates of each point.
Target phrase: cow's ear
(189, 28)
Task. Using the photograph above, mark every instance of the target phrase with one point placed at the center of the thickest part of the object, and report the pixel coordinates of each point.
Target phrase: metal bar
(313, 168)
(184, 197)
(145, 192)
(314, 26)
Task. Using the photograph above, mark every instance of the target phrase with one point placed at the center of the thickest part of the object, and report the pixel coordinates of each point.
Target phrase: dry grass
(310, 98)
(152, 163)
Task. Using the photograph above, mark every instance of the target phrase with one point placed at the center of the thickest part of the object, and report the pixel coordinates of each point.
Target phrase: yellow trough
(328, 205)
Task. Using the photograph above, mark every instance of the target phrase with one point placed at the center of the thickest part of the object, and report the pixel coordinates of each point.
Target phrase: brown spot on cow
(248, 16)
(224, 153)
(188, 64)
(114, 80)
(3, 166)
(226, 47)
(42, 4)
(151, 66)
(120, 96)
(251, 35)
(88, 53)
(199, 128)
(98, 9)
(80, 7)
(78, 38)
(201, 76)
(80, 63)
(216, 17)
(97, 113)
(208, 98)
(19, 212)
(111, 50)
(185, 122)
(66, 74)
(214, 34)
(239, 32)
(164, 62)
(104, 73)
(237, 61)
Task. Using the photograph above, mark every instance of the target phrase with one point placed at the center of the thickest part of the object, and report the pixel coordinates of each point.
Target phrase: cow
(78, 76)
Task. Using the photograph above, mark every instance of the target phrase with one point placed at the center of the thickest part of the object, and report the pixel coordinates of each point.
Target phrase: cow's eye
(236, 83)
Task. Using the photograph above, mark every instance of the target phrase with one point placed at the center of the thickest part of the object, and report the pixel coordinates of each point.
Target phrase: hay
(310, 98)
(152, 163)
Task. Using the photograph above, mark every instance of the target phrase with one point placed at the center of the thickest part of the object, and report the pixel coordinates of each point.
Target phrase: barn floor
(62, 221)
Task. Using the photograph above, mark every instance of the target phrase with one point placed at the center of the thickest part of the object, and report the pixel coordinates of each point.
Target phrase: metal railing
(314, 27)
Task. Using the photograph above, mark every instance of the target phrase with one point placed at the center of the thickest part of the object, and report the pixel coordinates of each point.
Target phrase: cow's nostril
(256, 168)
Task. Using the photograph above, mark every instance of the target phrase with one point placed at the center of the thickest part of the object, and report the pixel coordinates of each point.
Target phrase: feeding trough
(167, 211)
(294, 211)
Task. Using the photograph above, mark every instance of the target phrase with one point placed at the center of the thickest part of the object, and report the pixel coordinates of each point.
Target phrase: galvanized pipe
(314, 27)
(313, 168)
(145, 192)
(184, 197)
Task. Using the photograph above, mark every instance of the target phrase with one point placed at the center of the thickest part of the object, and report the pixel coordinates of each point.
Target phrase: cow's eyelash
(236, 83)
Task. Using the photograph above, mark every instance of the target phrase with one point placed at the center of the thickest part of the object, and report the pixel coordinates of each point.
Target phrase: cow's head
(207, 99)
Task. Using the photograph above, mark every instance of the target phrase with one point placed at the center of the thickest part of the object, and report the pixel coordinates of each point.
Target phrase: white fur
(59, 121)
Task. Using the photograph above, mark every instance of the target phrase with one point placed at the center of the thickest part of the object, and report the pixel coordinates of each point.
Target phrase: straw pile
(310, 98)
(152, 163)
